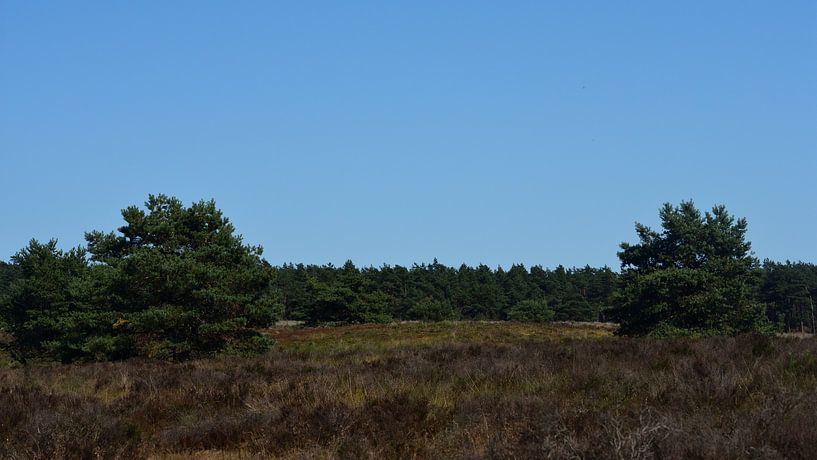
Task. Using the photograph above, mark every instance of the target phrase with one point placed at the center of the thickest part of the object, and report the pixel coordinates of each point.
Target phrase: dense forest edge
(176, 282)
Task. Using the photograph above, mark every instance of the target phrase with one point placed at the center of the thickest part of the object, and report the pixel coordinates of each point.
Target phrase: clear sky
(395, 132)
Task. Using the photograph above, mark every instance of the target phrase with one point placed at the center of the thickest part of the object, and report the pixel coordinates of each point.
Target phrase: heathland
(429, 390)
(164, 340)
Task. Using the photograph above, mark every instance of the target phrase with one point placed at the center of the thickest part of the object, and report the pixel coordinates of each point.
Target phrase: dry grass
(447, 390)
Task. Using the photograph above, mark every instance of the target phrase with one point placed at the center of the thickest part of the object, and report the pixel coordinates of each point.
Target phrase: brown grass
(447, 390)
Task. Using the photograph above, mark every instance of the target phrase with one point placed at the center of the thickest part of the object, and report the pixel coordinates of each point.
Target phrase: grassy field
(440, 390)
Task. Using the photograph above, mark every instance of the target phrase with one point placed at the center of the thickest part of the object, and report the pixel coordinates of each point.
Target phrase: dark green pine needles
(696, 277)
(174, 282)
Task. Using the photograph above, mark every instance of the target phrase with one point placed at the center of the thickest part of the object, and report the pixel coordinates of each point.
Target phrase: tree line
(177, 281)
(432, 292)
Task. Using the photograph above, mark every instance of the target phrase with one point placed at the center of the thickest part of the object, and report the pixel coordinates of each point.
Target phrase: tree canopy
(175, 282)
(695, 276)
(431, 292)
(789, 291)
(47, 304)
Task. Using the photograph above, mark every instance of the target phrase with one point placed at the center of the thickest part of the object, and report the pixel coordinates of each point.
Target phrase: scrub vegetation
(429, 390)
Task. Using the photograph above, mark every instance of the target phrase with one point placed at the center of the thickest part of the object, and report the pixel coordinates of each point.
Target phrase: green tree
(7, 274)
(697, 276)
(297, 293)
(182, 282)
(332, 303)
(371, 307)
(789, 290)
(479, 293)
(516, 284)
(573, 308)
(429, 309)
(47, 306)
(335, 302)
(531, 311)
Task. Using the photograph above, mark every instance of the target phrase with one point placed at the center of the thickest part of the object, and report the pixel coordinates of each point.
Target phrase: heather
(429, 390)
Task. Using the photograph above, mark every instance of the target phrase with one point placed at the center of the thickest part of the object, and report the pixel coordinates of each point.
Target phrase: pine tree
(789, 290)
(697, 276)
(182, 282)
(47, 306)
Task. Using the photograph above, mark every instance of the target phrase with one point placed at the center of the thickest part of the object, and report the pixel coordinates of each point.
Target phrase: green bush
(432, 310)
(531, 311)
(370, 308)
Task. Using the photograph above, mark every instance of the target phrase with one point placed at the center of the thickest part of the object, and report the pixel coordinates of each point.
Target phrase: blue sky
(395, 132)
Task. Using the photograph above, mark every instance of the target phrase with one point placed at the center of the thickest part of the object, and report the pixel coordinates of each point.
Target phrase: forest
(177, 281)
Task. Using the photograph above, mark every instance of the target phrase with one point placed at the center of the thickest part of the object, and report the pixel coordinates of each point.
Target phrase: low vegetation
(429, 390)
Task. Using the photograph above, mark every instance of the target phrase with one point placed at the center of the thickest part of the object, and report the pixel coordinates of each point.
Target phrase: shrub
(430, 309)
(532, 311)
(370, 308)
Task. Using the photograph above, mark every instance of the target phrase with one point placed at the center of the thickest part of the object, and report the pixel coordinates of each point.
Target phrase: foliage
(430, 309)
(175, 283)
(696, 275)
(435, 292)
(789, 290)
(7, 274)
(181, 281)
(47, 305)
(372, 307)
(531, 311)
